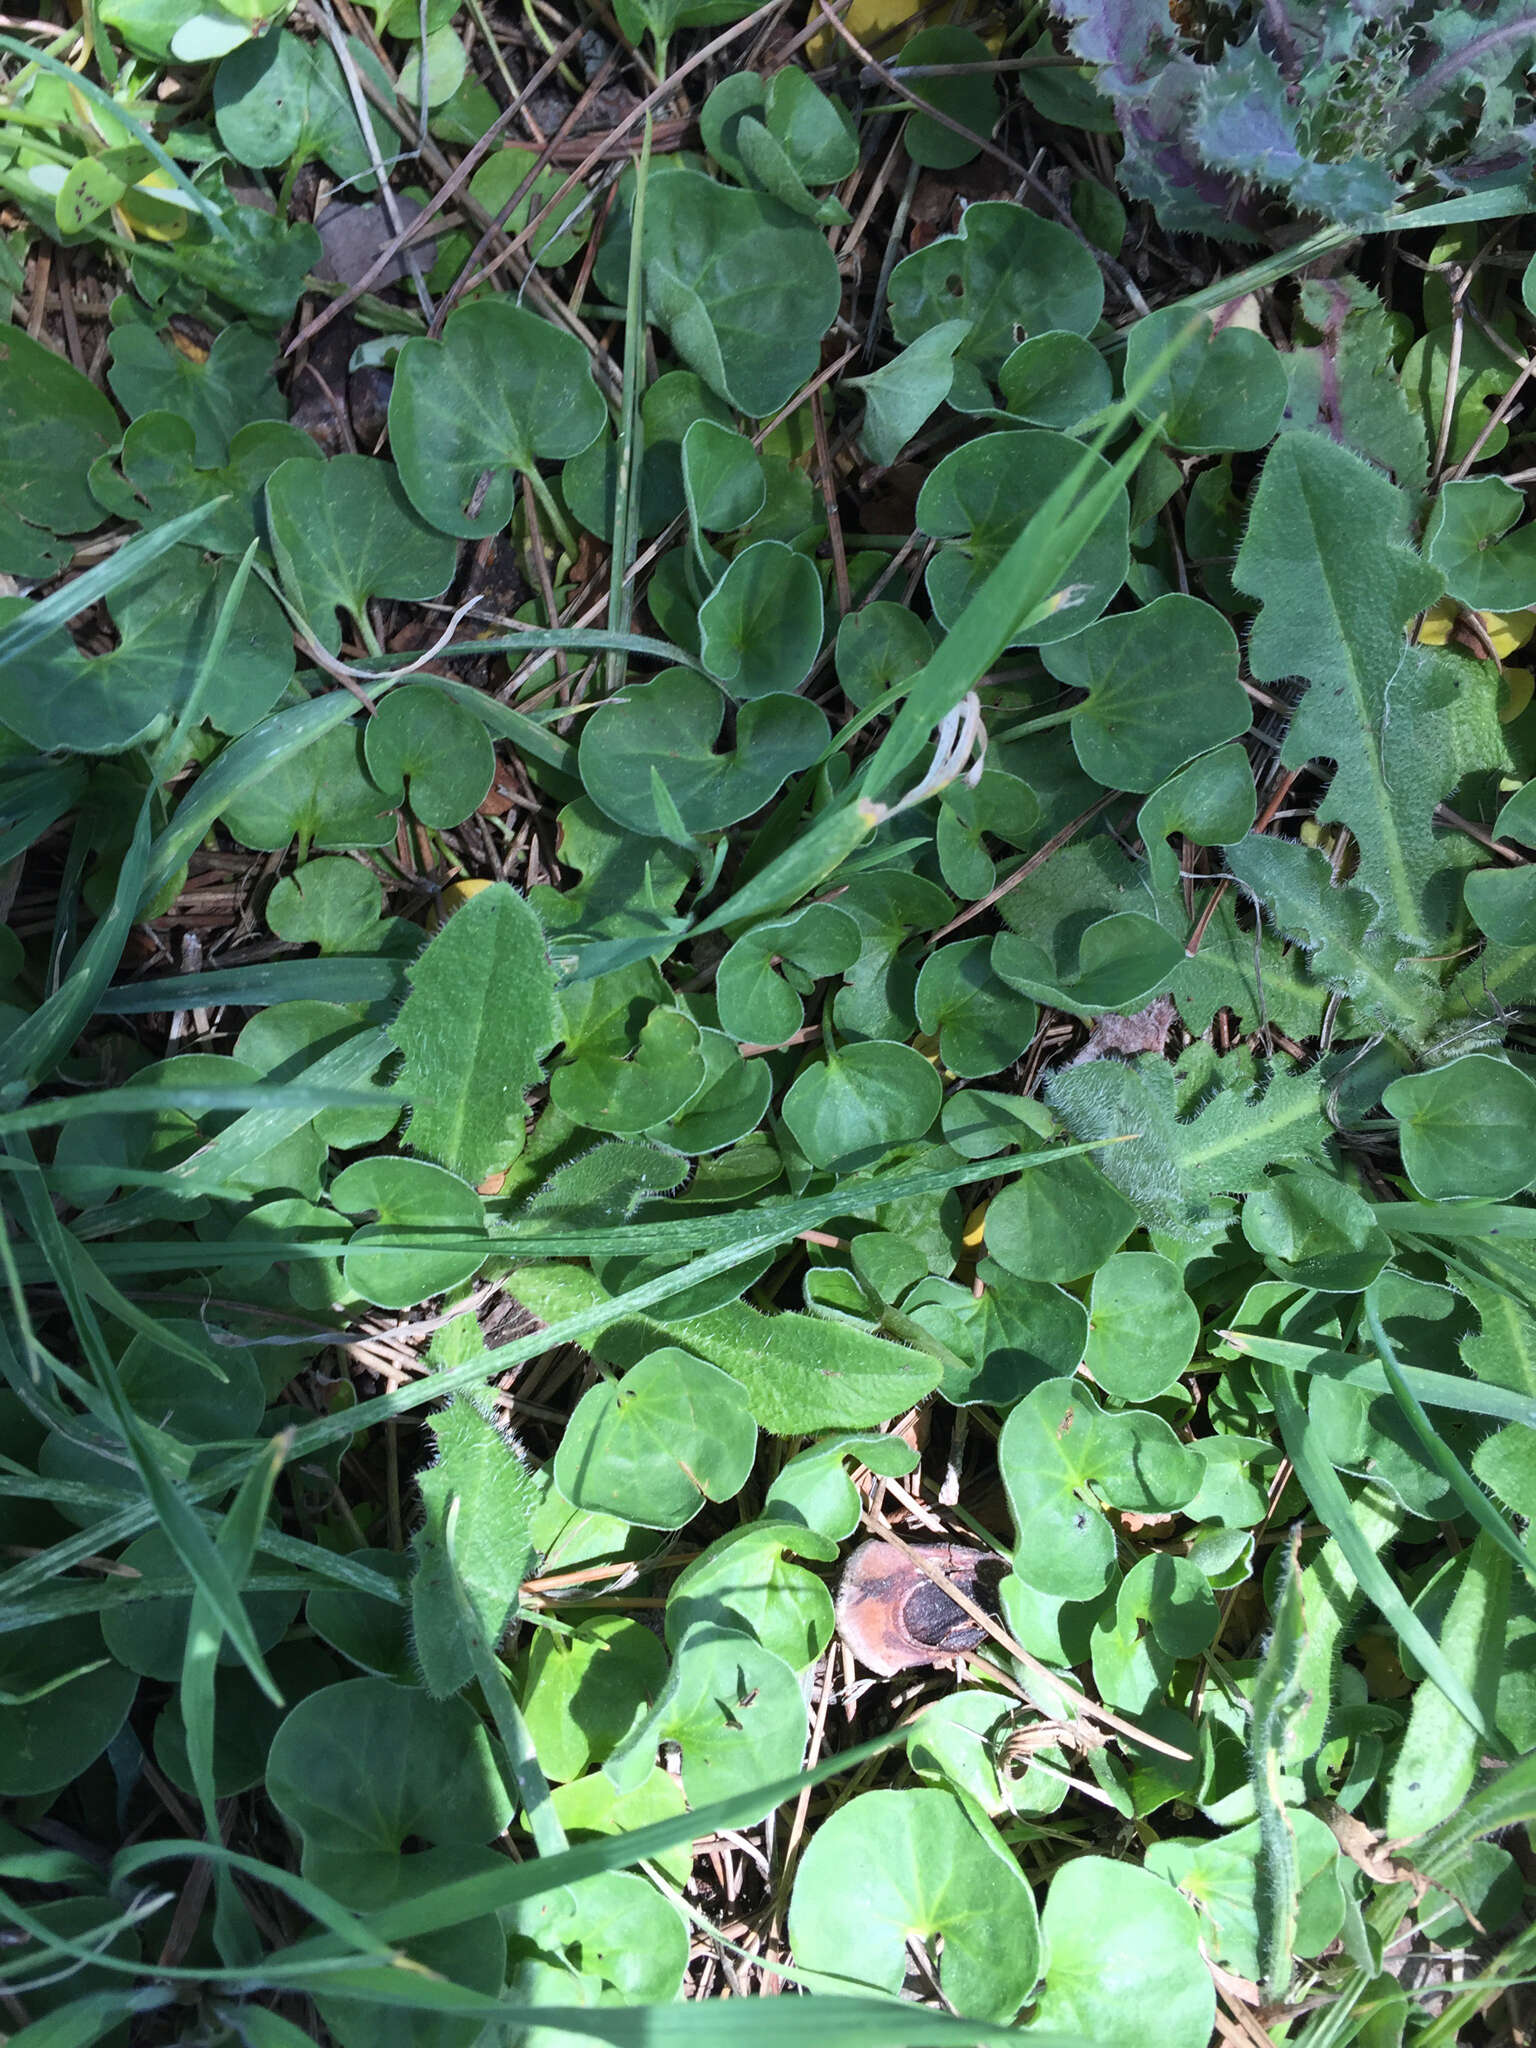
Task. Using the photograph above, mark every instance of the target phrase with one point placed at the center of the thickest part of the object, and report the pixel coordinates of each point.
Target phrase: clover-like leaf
(500, 392)
(1056, 379)
(669, 408)
(758, 1003)
(1142, 1326)
(1226, 388)
(229, 388)
(332, 904)
(1162, 686)
(760, 627)
(1122, 960)
(891, 1866)
(346, 533)
(649, 756)
(655, 1445)
(413, 1202)
(744, 289)
(1468, 1129)
(157, 476)
(429, 748)
(56, 697)
(54, 424)
(980, 497)
(1212, 802)
(1468, 540)
(848, 1109)
(1009, 272)
(733, 1708)
(981, 1024)
(1061, 1457)
(1315, 1231)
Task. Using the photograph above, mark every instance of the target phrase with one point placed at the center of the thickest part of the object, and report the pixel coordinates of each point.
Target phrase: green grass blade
(1332, 1505)
(51, 613)
(1436, 1389)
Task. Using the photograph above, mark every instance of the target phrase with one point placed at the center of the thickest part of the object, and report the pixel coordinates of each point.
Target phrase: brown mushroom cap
(893, 1617)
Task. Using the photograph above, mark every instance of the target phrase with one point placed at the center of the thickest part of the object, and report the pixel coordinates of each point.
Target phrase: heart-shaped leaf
(1058, 1223)
(904, 393)
(321, 795)
(157, 477)
(1162, 686)
(1124, 1968)
(229, 388)
(54, 424)
(1212, 802)
(500, 392)
(655, 1445)
(969, 97)
(649, 755)
(413, 1203)
(1057, 379)
(1121, 962)
(1315, 1231)
(1008, 272)
(747, 1580)
(889, 1867)
(57, 698)
(757, 1002)
(1062, 1457)
(734, 1710)
(979, 499)
(849, 1109)
(282, 100)
(1468, 1129)
(1142, 1326)
(427, 748)
(346, 533)
(743, 288)
(1468, 540)
(1226, 388)
(982, 1026)
(760, 627)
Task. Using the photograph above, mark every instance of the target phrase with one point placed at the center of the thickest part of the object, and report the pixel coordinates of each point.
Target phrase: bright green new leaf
(478, 1020)
(1062, 1458)
(583, 1692)
(1142, 1326)
(722, 477)
(1059, 1223)
(1316, 1232)
(747, 1579)
(1124, 1967)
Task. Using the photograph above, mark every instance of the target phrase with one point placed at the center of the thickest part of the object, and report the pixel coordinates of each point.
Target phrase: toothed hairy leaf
(1204, 1128)
(479, 1499)
(1326, 554)
(479, 1015)
(1295, 884)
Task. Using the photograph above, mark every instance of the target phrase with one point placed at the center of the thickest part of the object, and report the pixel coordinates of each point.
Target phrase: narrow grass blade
(1437, 1389)
(1332, 1505)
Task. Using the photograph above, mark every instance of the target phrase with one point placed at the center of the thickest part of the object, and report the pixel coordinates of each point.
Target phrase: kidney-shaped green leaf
(413, 1202)
(346, 532)
(1162, 687)
(1142, 1326)
(1061, 1456)
(1468, 1129)
(848, 1109)
(500, 392)
(979, 499)
(1124, 1966)
(655, 1445)
(428, 746)
(650, 755)
(1225, 389)
(760, 627)
(891, 1867)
